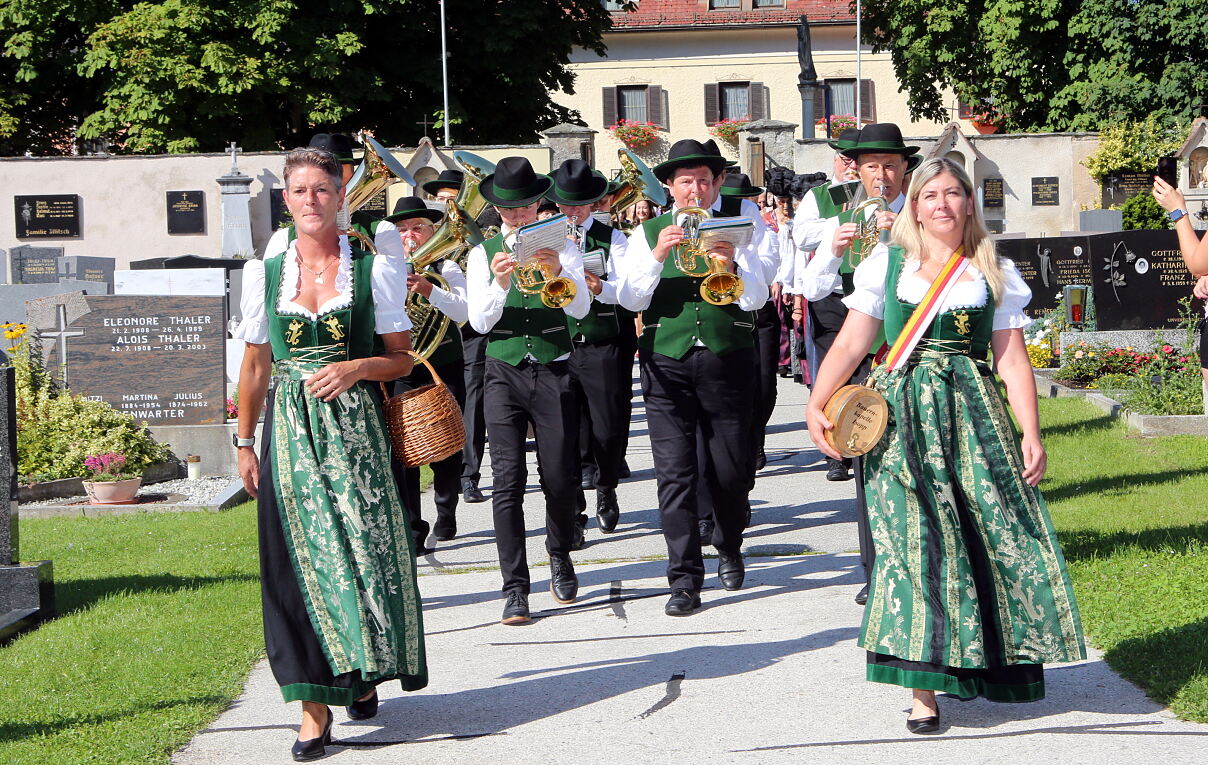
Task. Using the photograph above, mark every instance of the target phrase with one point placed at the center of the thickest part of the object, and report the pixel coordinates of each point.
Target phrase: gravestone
(47, 216)
(1047, 265)
(26, 590)
(14, 296)
(1046, 191)
(36, 265)
(375, 206)
(88, 268)
(1139, 279)
(186, 212)
(278, 213)
(159, 358)
(993, 195)
(171, 281)
(236, 211)
(1123, 185)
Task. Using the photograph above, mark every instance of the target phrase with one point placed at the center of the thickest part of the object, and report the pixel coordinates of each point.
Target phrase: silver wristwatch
(238, 442)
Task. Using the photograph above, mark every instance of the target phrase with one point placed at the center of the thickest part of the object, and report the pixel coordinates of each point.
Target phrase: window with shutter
(712, 104)
(610, 107)
(632, 103)
(757, 98)
(720, 4)
(964, 110)
(656, 106)
(734, 100)
(868, 101)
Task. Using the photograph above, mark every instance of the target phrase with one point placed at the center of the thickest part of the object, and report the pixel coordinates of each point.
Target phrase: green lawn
(160, 618)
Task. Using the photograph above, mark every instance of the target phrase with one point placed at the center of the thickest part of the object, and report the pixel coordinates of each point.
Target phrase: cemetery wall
(123, 199)
(1021, 160)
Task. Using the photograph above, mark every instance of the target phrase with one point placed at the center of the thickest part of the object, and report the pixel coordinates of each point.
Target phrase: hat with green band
(413, 207)
(739, 185)
(575, 183)
(338, 144)
(689, 153)
(847, 139)
(514, 184)
(879, 138)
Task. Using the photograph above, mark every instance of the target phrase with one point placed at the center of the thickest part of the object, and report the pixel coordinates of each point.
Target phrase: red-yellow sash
(925, 313)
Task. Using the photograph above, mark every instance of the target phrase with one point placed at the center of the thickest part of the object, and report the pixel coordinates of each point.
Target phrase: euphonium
(637, 181)
(377, 171)
(429, 325)
(719, 286)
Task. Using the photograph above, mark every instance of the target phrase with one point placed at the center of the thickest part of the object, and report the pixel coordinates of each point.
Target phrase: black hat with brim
(712, 147)
(614, 186)
(739, 185)
(575, 183)
(913, 161)
(847, 139)
(448, 179)
(413, 207)
(514, 184)
(879, 138)
(338, 144)
(689, 153)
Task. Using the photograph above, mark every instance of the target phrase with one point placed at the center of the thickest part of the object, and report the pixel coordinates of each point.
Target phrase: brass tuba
(637, 181)
(719, 286)
(378, 170)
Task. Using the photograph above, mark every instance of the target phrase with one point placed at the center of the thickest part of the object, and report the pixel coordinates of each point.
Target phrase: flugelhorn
(868, 235)
(719, 286)
(533, 277)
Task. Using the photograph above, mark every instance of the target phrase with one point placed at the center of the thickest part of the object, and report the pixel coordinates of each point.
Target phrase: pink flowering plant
(727, 130)
(232, 407)
(838, 123)
(110, 466)
(634, 134)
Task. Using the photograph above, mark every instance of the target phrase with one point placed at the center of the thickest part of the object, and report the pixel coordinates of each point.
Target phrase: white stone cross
(234, 152)
(60, 335)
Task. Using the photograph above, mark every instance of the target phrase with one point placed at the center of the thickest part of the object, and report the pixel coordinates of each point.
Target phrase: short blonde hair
(310, 157)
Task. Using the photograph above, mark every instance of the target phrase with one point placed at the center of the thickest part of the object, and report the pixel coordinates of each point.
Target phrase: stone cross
(60, 334)
(234, 152)
(426, 123)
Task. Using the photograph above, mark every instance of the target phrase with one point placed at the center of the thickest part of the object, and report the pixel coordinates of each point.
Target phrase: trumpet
(533, 277)
(719, 286)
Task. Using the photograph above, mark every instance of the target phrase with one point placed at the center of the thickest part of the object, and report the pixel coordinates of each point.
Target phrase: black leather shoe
(862, 595)
(730, 571)
(580, 540)
(563, 584)
(588, 481)
(623, 469)
(313, 749)
(761, 461)
(705, 529)
(682, 603)
(515, 608)
(607, 511)
(444, 533)
(470, 492)
(924, 724)
(363, 710)
(836, 471)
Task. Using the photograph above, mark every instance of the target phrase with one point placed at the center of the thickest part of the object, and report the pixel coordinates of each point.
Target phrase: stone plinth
(571, 142)
(779, 141)
(236, 215)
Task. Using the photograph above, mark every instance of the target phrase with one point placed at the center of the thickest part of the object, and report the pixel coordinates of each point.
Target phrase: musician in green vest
(696, 360)
(598, 364)
(528, 382)
(416, 223)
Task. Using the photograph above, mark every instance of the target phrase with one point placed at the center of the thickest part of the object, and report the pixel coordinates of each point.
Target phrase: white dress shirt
(643, 273)
(451, 302)
(486, 297)
(389, 294)
(821, 277)
(611, 281)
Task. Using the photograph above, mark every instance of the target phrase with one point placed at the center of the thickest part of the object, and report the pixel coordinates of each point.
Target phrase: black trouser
(708, 395)
(474, 348)
(446, 474)
(767, 349)
(603, 406)
(516, 396)
(826, 319)
(627, 341)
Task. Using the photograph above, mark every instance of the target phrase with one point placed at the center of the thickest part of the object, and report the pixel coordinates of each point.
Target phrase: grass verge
(1132, 519)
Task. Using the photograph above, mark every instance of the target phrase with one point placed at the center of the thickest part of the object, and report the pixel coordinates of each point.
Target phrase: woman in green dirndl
(970, 594)
(338, 579)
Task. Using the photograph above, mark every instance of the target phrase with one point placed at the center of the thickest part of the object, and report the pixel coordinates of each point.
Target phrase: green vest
(601, 321)
(974, 325)
(345, 333)
(827, 208)
(526, 326)
(678, 316)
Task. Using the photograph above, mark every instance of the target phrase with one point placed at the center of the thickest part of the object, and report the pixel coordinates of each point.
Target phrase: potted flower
(636, 135)
(727, 130)
(987, 121)
(838, 123)
(108, 482)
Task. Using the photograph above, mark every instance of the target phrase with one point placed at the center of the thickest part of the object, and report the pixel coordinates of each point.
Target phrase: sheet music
(736, 231)
(594, 262)
(548, 234)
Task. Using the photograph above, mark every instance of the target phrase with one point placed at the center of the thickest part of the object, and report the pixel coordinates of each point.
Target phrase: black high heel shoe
(925, 724)
(363, 710)
(313, 749)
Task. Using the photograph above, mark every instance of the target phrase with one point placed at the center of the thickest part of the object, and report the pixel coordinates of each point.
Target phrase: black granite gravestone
(1046, 191)
(47, 216)
(1122, 186)
(1048, 264)
(278, 213)
(186, 212)
(992, 192)
(88, 268)
(36, 265)
(1139, 279)
(375, 207)
(161, 359)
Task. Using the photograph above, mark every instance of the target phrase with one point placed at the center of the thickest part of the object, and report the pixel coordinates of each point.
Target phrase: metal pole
(444, 70)
(857, 93)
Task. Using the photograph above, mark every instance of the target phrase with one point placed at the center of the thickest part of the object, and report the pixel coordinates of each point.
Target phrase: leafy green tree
(1046, 64)
(190, 75)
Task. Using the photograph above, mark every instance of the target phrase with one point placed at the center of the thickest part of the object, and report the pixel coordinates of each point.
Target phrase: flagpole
(444, 69)
(856, 95)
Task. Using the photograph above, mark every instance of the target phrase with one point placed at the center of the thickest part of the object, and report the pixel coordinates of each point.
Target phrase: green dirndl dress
(969, 592)
(338, 574)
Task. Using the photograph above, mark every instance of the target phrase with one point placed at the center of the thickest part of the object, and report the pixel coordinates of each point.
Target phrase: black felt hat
(514, 184)
(448, 179)
(739, 185)
(847, 139)
(413, 207)
(575, 183)
(879, 138)
(690, 153)
(338, 144)
(712, 147)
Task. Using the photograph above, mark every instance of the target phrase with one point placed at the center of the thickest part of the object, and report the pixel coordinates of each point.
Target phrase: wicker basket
(425, 423)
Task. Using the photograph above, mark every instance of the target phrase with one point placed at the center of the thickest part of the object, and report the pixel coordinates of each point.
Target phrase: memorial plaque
(992, 192)
(1139, 279)
(1047, 265)
(36, 265)
(186, 212)
(375, 208)
(47, 216)
(1120, 187)
(88, 268)
(1046, 191)
(160, 359)
(278, 213)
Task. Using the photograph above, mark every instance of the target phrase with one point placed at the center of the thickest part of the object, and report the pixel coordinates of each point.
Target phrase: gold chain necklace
(317, 274)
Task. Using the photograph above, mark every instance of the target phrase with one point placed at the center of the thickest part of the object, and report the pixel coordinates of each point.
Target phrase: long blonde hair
(908, 234)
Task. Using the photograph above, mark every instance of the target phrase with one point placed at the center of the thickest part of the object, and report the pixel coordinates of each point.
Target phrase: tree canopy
(191, 75)
(1047, 64)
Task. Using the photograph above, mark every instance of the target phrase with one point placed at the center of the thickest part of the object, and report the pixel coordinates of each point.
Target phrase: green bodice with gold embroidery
(961, 330)
(344, 333)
